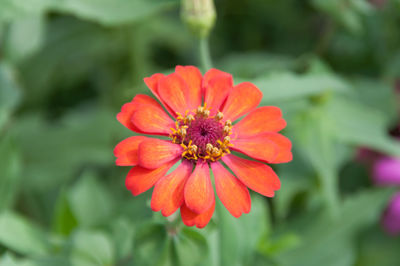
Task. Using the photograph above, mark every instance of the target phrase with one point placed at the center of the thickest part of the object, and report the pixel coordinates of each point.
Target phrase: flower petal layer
(168, 191)
(155, 152)
(284, 147)
(128, 109)
(141, 179)
(257, 147)
(261, 120)
(152, 119)
(199, 193)
(127, 151)
(255, 175)
(191, 218)
(216, 91)
(152, 84)
(174, 92)
(232, 193)
(212, 73)
(243, 98)
(192, 76)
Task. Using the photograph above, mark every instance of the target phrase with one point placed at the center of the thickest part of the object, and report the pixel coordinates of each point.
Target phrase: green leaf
(377, 248)
(289, 86)
(16, 47)
(238, 237)
(191, 247)
(327, 241)
(14, 9)
(115, 12)
(91, 248)
(251, 65)
(151, 246)
(89, 201)
(317, 144)
(9, 260)
(295, 180)
(64, 220)
(103, 11)
(10, 92)
(9, 172)
(348, 13)
(54, 152)
(377, 96)
(123, 236)
(360, 125)
(19, 235)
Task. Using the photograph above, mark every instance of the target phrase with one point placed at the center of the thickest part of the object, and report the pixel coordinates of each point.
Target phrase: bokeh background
(67, 66)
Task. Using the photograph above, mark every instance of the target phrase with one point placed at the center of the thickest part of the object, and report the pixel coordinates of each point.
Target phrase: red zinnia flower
(201, 136)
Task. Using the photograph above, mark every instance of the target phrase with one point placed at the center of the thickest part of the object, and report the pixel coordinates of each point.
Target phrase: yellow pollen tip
(219, 116)
(193, 148)
(228, 123)
(209, 147)
(227, 129)
(190, 118)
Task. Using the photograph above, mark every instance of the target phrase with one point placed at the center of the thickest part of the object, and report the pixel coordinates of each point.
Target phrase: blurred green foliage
(66, 67)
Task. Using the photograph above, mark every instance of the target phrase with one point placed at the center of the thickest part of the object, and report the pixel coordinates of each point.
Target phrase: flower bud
(199, 16)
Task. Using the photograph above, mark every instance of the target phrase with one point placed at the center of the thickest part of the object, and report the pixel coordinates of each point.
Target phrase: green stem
(205, 58)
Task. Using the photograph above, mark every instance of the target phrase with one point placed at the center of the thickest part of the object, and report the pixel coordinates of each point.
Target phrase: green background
(67, 66)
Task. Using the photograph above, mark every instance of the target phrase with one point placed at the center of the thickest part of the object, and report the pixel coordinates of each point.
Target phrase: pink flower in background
(391, 217)
(386, 171)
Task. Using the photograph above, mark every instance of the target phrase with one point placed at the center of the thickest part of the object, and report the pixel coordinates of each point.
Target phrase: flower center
(202, 136)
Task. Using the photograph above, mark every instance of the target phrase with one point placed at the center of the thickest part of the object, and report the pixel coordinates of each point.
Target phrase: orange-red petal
(242, 99)
(262, 119)
(212, 73)
(155, 152)
(199, 193)
(128, 109)
(174, 92)
(258, 147)
(232, 193)
(192, 76)
(255, 175)
(191, 218)
(127, 151)
(284, 145)
(141, 179)
(168, 191)
(152, 84)
(152, 119)
(216, 90)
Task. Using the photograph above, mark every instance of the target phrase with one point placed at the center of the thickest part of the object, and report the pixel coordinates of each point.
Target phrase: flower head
(202, 133)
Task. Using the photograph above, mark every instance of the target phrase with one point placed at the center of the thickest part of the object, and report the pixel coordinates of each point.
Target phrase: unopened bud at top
(199, 16)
